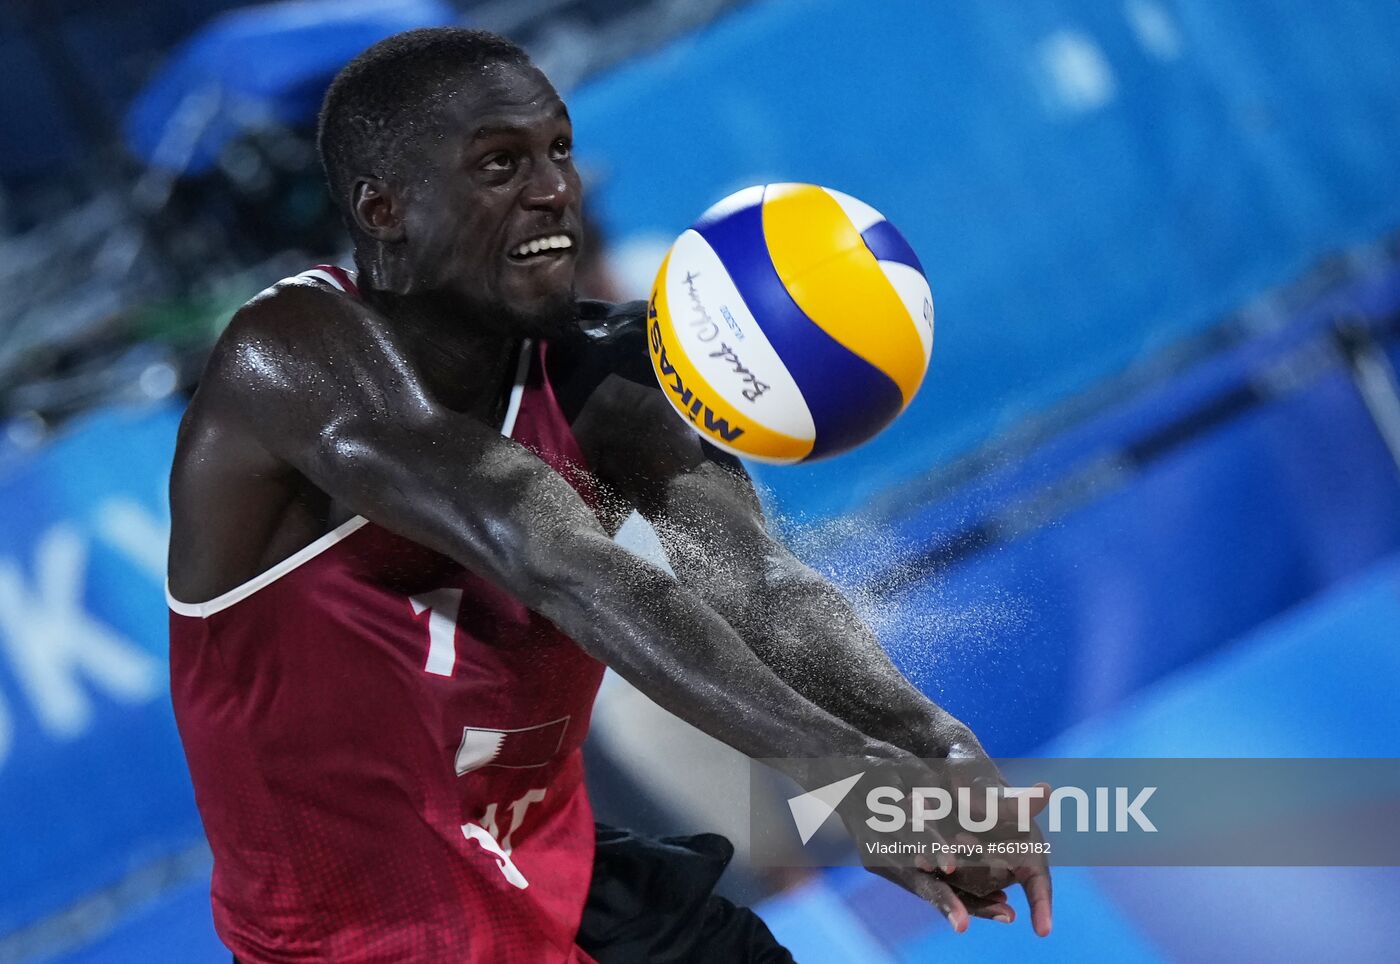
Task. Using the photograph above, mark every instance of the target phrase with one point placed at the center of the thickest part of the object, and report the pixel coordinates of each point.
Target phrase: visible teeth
(535, 246)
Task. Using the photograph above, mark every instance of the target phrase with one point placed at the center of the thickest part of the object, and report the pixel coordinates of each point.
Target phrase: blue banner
(92, 779)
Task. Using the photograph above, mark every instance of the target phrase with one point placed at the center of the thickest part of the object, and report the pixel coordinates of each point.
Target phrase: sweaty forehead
(500, 95)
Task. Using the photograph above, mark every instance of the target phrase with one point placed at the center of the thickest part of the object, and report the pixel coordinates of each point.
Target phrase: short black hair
(381, 101)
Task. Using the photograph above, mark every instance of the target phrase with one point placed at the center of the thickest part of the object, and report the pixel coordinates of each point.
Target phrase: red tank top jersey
(385, 748)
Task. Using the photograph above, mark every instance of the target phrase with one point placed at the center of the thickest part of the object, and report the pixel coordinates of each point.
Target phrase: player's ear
(376, 209)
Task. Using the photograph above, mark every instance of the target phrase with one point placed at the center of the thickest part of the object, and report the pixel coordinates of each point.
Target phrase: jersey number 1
(443, 606)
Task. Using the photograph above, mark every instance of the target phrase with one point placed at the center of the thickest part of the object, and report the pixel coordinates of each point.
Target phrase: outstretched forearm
(809, 633)
(793, 619)
(798, 615)
(686, 657)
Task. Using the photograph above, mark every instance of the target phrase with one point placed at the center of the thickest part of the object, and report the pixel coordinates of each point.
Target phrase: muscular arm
(323, 384)
(794, 619)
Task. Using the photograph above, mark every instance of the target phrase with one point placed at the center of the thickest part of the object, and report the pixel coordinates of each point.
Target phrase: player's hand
(961, 892)
(1030, 869)
(987, 876)
(956, 905)
(976, 886)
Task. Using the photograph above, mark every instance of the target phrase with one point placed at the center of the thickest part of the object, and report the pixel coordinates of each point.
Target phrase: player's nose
(548, 189)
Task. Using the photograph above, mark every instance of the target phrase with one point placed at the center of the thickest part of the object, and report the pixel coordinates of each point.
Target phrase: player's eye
(561, 149)
(499, 161)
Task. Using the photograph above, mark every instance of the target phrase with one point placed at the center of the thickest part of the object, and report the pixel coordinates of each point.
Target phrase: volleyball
(790, 323)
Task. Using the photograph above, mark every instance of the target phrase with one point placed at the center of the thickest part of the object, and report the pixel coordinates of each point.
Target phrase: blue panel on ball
(887, 244)
(850, 399)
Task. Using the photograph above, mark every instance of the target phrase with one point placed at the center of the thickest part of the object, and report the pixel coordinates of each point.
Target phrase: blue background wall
(93, 783)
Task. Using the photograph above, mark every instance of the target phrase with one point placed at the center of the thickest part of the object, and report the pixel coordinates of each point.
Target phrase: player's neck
(463, 363)
(395, 289)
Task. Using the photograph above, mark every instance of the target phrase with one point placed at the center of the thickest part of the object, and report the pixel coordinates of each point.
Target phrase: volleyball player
(392, 585)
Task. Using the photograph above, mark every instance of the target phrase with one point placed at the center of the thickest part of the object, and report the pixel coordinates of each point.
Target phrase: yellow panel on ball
(832, 276)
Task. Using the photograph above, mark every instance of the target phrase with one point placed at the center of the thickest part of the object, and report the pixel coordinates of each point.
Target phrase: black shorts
(653, 900)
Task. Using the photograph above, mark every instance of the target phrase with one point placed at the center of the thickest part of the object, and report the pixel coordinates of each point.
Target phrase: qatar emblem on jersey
(518, 749)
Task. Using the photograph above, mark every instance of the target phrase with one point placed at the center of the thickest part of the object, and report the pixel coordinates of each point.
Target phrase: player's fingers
(944, 864)
(988, 909)
(940, 895)
(1009, 806)
(940, 857)
(929, 888)
(1009, 803)
(982, 876)
(939, 834)
(986, 791)
(1039, 894)
(965, 847)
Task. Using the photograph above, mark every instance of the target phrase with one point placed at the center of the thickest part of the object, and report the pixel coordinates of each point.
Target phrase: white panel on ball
(918, 301)
(723, 341)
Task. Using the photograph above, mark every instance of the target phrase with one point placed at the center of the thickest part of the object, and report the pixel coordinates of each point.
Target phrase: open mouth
(545, 246)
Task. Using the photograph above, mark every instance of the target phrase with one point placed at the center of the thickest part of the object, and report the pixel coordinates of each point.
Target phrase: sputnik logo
(811, 809)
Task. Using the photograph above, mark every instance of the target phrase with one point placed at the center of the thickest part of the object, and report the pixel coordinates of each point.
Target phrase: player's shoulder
(300, 320)
(301, 297)
(259, 360)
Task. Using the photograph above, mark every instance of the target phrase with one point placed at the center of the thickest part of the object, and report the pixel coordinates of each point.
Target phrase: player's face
(499, 180)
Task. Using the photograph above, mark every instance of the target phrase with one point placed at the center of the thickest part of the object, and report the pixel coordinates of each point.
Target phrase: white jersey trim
(316, 274)
(305, 554)
(517, 392)
(339, 533)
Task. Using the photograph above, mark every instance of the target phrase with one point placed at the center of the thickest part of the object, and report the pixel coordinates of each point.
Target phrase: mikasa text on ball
(791, 322)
